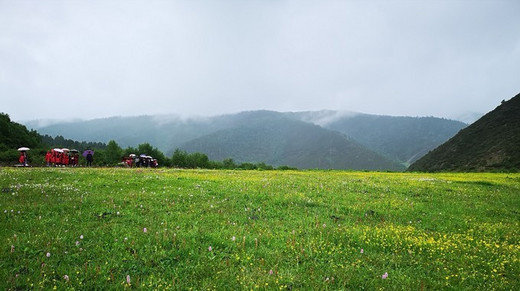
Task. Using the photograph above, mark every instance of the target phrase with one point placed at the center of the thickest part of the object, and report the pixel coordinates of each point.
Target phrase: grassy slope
(291, 230)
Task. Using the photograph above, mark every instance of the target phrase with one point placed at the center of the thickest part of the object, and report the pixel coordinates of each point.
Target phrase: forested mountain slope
(491, 143)
(401, 138)
(13, 136)
(284, 141)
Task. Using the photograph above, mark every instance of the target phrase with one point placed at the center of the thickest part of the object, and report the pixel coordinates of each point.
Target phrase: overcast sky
(89, 59)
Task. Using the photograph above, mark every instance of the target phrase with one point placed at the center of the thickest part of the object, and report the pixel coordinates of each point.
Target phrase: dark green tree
(179, 159)
(197, 160)
(229, 164)
(112, 153)
(130, 150)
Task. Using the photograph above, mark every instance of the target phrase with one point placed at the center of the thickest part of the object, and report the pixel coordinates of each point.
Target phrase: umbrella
(142, 156)
(65, 149)
(132, 155)
(85, 153)
(74, 151)
(58, 150)
(23, 149)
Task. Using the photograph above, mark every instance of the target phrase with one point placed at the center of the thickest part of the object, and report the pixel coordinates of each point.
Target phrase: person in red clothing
(65, 159)
(23, 158)
(61, 159)
(48, 158)
(58, 159)
(54, 158)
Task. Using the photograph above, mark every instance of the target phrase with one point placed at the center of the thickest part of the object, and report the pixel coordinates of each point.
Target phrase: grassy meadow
(272, 230)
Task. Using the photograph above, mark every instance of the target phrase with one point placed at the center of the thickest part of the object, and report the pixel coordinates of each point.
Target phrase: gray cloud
(105, 58)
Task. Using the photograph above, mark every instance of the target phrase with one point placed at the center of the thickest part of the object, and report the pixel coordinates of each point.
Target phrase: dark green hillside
(13, 136)
(405, 139)
(277, 140)
(491, 143)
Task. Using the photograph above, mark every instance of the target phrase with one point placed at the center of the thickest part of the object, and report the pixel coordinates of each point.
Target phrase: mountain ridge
(168, 132)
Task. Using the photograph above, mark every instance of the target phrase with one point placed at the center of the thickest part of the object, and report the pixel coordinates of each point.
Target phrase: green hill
(492, 143)
(15, 135)
(12, 136)
(278, 140)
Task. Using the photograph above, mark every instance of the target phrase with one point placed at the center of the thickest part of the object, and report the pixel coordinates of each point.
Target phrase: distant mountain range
(491, 143)
(318, 139)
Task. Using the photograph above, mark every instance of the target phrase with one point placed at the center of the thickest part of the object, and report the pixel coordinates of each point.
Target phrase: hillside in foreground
(492, 143)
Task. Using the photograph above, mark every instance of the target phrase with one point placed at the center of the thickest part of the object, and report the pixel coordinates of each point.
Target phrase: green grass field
(282, 230)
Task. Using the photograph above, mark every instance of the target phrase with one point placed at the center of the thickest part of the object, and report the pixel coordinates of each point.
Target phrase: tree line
(112, 155)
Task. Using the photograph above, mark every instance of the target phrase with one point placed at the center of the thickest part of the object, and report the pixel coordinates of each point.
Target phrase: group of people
(140, 161)
(65, 157)
(62, 158)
